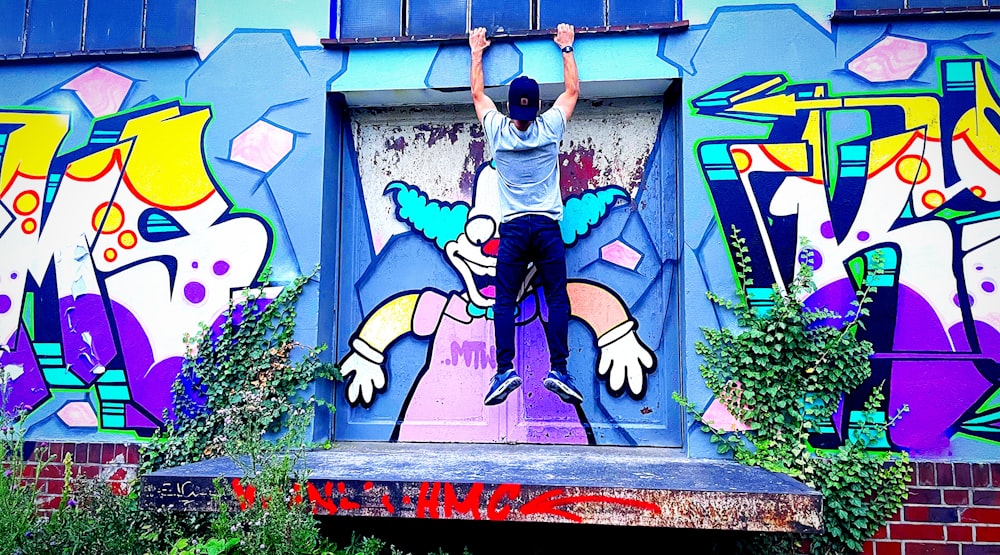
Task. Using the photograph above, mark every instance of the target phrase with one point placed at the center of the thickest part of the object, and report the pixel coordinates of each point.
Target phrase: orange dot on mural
(112, 216)
(913, 169)
(978, 191)
(127, 239)
(26, 203)
(933, 199)
(29, 225)
(742, 159)
(110, 255)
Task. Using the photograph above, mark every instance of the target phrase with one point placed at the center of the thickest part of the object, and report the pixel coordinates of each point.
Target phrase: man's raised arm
(477, 44)
(571, 78)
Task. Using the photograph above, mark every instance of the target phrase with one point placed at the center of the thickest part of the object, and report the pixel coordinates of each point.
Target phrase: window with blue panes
(904, 4)
(362, 19)
(37, 28)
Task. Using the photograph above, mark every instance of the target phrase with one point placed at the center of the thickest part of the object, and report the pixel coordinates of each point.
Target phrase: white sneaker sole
(563, 391)
(501, 393)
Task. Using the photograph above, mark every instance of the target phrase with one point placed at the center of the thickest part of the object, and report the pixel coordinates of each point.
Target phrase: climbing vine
(781, 373)
(243, 378)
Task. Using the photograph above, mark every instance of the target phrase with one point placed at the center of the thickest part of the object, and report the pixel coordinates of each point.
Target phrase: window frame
(82, 50)
(904, 5)
(847, 15)
(337, 12)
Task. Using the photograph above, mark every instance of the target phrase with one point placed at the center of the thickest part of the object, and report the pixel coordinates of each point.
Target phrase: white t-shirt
(527, 163)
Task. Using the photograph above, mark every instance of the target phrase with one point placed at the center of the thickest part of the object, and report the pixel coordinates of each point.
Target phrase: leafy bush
(241, 395)
(781, 373)
(19, 480)
(239, 380)
(91, 519)
(273, 520)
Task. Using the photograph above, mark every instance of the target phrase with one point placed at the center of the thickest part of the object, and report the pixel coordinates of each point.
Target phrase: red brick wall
(953, 509)
(115, 463)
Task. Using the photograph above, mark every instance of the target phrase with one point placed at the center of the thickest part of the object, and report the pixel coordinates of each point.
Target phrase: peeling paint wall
(440, 149)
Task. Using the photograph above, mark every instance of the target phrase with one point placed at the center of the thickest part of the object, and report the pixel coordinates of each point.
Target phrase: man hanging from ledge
(525, 150)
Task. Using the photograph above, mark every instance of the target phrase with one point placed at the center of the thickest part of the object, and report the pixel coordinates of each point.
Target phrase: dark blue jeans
(523, 240)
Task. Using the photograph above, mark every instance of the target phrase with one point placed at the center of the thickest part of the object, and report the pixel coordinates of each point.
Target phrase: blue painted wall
(768, 129)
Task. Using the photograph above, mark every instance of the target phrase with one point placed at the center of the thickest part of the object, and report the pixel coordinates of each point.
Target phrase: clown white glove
(624, 357)
(362, 369)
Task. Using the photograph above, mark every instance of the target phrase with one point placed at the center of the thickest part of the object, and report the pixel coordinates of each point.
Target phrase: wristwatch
(567, 49)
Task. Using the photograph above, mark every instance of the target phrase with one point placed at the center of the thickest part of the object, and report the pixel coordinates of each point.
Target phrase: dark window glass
(45, 27)
(55, 26)
(943, 3)
(868, 4)
(900, 4)
(371, 18)
(169, 23)
(113, 24)
(625, 12)
(580, 13)
(436, 17)
(362, 19)
(501, 16)
(11, 27)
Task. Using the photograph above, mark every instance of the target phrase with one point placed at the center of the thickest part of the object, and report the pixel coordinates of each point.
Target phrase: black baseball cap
(522, 98)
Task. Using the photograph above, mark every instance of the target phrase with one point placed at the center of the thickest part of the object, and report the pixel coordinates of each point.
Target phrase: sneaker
(502, 385)
(562, 385)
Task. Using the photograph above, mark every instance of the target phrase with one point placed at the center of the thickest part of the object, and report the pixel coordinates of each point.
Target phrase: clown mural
(448, 390)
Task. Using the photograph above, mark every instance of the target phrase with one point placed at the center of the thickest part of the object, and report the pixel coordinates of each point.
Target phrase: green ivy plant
(210, 547)
(270, 514)
(241, 378)
(89, 518)
(781, 373)
(20, 474)
(241, 394)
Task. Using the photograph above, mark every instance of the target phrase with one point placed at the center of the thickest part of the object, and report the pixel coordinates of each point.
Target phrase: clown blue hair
(584, 211)
(438, 221)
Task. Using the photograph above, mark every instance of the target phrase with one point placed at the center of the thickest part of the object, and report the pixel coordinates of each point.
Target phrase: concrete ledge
(621, 486)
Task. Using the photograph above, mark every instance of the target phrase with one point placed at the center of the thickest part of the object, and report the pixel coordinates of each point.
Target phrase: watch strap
(567, 49)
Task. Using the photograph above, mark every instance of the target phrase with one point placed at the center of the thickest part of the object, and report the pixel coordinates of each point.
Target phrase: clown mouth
(486, 285)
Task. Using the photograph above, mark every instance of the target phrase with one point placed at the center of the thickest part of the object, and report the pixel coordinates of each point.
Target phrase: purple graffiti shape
(194, 292)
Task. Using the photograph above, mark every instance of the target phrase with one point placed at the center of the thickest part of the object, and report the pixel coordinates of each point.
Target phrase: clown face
(473, 253)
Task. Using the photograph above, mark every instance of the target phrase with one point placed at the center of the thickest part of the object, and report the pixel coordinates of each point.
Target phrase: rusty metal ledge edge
(618, 486)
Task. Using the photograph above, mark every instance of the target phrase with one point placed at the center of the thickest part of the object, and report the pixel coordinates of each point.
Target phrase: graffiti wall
(139, 195)
(135, 200)
(107, 256)
(878, 146)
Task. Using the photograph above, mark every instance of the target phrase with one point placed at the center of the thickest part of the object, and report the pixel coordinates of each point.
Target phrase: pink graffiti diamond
(262, 146)
(890, 59)
(78, 414)
(621, 254)
(719, 417)
(101, 91)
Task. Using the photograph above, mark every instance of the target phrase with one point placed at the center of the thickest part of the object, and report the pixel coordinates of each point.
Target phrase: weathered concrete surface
(631, 486)
(438, 148)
